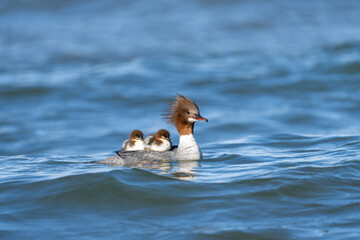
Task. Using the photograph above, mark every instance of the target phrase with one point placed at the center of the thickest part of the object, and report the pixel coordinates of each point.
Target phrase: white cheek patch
(191, 120)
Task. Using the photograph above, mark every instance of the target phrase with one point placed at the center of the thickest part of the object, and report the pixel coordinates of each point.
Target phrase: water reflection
(184, 170)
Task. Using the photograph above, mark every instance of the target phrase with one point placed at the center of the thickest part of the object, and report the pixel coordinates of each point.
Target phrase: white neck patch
(188, 149)
(191, 120)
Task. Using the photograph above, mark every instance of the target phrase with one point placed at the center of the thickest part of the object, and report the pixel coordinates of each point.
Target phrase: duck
(183, 113)
(159, 141)
(135, 141)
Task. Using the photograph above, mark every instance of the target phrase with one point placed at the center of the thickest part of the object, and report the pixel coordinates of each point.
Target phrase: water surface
(279, 82)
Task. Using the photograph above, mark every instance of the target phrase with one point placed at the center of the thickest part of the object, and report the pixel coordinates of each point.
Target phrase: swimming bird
(159, 141)
(183, 114)
(135, 143)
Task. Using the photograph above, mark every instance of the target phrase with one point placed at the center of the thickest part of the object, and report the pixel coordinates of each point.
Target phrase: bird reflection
(184, 170)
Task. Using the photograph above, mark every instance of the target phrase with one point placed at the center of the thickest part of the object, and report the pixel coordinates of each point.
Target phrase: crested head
(136, 135)
(182, 114)
(163, 134)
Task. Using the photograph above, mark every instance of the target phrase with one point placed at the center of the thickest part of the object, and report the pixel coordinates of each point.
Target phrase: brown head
(136, 135)
(163, 134)
(183, 113)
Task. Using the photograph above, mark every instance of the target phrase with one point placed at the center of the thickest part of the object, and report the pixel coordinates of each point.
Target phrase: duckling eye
(187, 112)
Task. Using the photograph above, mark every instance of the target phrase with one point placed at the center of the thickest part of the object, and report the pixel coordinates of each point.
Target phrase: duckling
(135, 143)
(159, 141)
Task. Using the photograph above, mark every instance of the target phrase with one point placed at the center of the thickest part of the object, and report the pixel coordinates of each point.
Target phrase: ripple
(279, 83)
(9, 93)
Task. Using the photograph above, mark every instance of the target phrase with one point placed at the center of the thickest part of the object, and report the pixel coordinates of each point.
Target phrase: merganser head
(136, 135)
(183, 113)
(163, 134)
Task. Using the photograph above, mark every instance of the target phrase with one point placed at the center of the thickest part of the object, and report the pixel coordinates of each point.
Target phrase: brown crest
(178, 109)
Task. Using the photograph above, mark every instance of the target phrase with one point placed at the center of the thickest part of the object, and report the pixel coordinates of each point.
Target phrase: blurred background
(278, 80)
(78, 76)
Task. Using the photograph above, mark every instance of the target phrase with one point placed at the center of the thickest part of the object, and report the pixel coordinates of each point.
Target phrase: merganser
(159, 141)
(135, 143)
(183, 114)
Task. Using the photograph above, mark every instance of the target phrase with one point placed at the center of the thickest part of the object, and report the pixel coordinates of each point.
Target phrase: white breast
(188, 148)
(165, 146)
(139, 145)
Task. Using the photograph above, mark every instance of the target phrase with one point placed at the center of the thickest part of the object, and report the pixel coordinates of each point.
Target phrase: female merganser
(159, 141)
(135, 143)
(183, 114)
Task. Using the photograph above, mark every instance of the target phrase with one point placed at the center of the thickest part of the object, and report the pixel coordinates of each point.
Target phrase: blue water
(279, 82)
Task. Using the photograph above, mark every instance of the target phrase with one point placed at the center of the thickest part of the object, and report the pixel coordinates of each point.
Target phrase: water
(279, 82)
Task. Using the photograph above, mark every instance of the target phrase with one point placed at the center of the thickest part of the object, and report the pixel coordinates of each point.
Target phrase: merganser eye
(188, 112)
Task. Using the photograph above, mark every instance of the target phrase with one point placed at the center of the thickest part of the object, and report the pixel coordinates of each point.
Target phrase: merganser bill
(159, 141)
(183, 114)
(135, 143)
